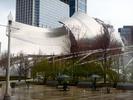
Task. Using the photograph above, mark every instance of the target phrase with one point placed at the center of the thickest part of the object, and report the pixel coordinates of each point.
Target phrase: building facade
(24, 11)
(41, 13)
(65, 1)
(77, 6)
(127, 34)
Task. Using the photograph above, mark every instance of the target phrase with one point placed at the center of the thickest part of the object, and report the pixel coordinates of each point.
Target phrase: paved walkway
(40, 92)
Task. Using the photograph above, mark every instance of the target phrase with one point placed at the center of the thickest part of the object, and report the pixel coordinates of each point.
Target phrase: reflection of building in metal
(42, 13)
(77, 6)
(78, 33)
(127, 34)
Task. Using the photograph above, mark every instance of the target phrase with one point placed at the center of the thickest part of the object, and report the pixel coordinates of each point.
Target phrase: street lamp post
(7, 94)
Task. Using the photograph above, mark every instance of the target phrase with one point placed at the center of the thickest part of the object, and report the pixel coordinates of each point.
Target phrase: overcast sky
(115, 12)
(5, 7)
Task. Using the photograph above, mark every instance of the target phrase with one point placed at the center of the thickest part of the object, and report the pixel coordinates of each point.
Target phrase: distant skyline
(115, 12)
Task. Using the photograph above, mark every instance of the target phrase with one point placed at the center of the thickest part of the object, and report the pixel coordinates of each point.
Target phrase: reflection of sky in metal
(87, 31)
(30, 39)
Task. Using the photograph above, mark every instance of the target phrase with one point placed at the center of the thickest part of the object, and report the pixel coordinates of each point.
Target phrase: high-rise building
(65, 1)
(127, 34)
(77, 6)
(41, 13)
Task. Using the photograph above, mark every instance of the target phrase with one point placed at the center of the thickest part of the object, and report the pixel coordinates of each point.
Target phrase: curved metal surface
(78, 33)
(91, 33)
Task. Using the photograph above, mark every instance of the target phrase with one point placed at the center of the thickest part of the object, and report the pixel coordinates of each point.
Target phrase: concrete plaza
(42, 92)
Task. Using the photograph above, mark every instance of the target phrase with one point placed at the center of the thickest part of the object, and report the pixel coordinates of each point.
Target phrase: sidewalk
(2, 89)
(41, 92)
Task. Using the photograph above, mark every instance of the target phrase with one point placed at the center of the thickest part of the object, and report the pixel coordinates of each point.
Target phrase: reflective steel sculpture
(78, 33)
(90, 33)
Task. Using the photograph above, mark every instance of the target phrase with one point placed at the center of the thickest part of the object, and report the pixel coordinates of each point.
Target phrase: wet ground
(41, 92)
